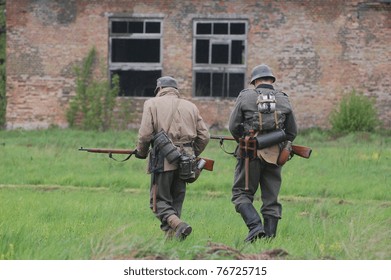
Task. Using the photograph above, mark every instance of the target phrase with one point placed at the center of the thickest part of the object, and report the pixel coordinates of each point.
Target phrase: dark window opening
(119, 27)
(137, 83)
(236, 84)
(136, 27)
(238, 28)
(202, 51)
(202, 84)
(237, 52)
(204, 28)
(152, 27)
(220, 54)
(135, 55)
(214, 84)
(219, 62)
(220, 28)
(135, 50)
(219, 84)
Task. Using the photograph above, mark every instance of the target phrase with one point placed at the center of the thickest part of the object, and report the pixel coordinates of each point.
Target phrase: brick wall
(318, 50)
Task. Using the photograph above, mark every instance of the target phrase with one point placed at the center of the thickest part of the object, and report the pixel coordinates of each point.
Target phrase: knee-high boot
(270, 226)
(252, 220)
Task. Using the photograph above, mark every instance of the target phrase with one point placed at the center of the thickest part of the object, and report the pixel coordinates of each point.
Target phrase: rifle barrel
(218, 137)
(107, 151)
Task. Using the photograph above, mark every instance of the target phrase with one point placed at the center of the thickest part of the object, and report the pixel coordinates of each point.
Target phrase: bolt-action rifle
(301, 151)
(208, 162)
(203, 163)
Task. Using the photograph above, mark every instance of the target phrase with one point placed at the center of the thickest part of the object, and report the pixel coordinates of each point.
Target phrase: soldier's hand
(137, 155)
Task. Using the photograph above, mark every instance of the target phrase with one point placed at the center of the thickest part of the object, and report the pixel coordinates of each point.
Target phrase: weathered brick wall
(318, 50)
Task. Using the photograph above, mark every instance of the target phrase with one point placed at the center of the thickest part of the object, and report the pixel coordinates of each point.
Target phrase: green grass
(59, 203)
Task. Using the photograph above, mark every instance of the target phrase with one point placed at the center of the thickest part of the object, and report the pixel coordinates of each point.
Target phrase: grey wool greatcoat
(263, 170)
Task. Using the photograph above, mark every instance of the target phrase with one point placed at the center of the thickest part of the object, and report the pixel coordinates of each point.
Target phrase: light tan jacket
(187, 125)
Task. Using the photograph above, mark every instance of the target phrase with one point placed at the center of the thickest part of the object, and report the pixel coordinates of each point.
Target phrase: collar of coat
(265, 86)
(168, 91)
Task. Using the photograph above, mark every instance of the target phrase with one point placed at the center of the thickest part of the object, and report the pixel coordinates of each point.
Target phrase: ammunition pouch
(248, 147)
(187, 168)
(166, 147)
(270, 139)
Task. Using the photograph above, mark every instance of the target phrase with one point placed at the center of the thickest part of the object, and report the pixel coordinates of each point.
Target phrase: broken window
(138, 83)
(219, 64)
(215, 84)
(135, 54)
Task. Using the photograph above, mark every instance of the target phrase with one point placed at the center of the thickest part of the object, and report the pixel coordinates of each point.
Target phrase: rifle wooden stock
(208, 164)
(301, 151)
(107, 151)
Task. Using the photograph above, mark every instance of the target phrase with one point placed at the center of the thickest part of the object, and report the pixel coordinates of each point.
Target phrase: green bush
(92, 107)
(356, 112)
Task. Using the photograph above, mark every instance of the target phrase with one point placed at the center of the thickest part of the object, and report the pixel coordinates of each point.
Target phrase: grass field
(59, 203)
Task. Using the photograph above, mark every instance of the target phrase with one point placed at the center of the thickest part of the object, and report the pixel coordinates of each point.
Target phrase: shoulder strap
(173, 113)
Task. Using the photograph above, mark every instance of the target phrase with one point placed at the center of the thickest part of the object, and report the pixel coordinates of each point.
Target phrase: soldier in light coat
(263, 170)
(183, 124)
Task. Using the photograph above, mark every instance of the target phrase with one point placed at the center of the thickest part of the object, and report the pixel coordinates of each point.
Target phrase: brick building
(318, 50)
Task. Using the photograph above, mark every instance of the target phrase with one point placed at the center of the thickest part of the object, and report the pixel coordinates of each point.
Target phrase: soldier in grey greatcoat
(184, 126)
(263, 170)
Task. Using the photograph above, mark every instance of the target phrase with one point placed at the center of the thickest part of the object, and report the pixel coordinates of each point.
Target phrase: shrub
(356, 112)
(92, 107)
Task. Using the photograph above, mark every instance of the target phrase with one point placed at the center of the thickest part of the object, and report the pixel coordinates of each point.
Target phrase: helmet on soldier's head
(166, 81)
(261, 71)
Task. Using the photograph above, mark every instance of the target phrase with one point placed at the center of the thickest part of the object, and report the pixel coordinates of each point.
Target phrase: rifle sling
(171, 119)
(128, 157)
(223, 148)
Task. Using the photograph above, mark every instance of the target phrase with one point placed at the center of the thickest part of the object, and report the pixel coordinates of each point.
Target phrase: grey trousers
(261, 174)
(170, 196)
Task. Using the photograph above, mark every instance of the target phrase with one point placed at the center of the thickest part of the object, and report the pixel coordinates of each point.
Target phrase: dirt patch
(225, 251)
(212, 251)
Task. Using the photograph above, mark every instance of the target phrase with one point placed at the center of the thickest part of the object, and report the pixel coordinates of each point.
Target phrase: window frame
(219, 39)
(135, 66)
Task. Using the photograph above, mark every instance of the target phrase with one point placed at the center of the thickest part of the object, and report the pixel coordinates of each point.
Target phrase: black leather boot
(270, 226)
(252, 220)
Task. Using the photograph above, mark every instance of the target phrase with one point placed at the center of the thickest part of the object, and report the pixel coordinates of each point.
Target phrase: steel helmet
(261, 71)
(166, 81)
